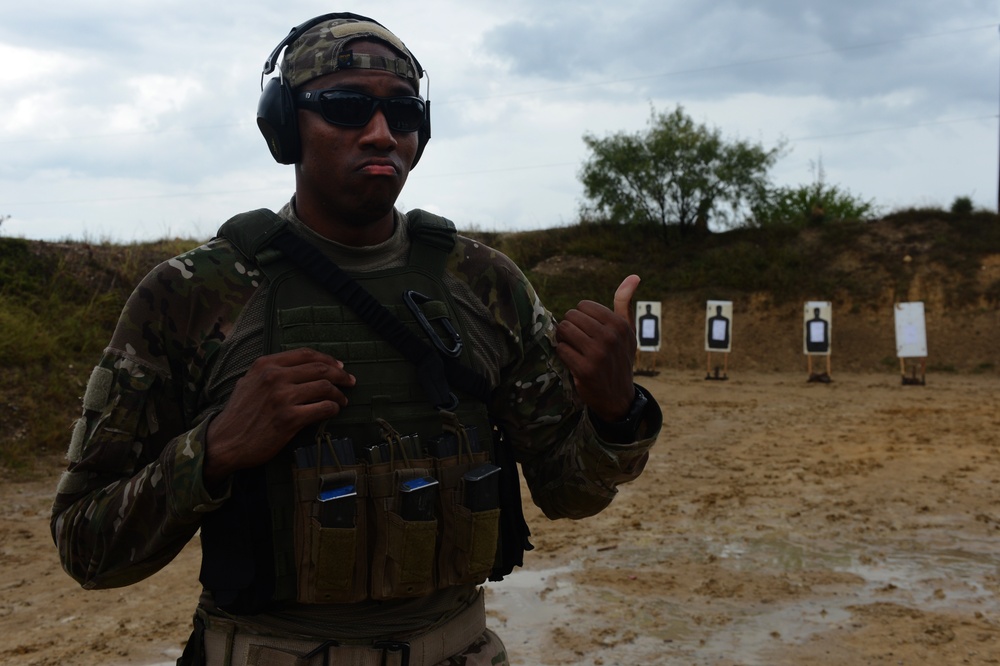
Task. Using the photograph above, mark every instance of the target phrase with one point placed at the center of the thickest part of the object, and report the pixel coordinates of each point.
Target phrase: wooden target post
(814, 377)
(817, 329)
(913, 380)
(718, 337)
(911, 341)
(648, 316)
(725, 367)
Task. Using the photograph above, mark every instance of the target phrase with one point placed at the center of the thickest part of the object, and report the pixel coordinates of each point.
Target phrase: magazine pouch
(330, 535)
(402, 563)
(470, 511)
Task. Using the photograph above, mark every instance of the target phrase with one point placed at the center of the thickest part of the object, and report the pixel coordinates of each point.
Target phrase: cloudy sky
(131, 120)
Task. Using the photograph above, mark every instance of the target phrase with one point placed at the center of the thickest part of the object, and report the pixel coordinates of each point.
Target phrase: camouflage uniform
(133, 494)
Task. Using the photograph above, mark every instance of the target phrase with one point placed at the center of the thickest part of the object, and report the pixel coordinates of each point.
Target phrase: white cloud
(25, 66)
(125, 119)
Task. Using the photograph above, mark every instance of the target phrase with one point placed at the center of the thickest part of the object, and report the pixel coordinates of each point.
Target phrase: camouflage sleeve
(570, 471)
(132, 494)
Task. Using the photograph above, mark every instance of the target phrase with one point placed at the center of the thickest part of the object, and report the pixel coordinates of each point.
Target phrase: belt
(227, 644)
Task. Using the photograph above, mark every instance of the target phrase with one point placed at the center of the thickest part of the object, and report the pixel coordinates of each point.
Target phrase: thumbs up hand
(598, 345)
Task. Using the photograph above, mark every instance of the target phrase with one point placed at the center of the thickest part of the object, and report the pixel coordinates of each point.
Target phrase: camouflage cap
(321, 50)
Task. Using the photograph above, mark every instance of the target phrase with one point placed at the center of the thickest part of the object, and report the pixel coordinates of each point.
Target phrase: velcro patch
(71, 483)
(98, 389)
(75, 452)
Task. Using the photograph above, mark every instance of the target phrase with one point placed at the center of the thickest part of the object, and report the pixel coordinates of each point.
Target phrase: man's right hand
(280, 394)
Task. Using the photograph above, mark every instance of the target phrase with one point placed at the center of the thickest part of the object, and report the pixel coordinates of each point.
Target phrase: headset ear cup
(423, 134)
(277, 121)
(422, 139)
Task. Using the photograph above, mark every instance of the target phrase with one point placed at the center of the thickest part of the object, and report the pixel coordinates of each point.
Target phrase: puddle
(927, 575)
(529, 605)
(752, 634)
(525, 605)
(934, 580)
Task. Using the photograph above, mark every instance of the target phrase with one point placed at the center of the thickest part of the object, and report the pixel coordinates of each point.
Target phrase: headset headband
(272, 59)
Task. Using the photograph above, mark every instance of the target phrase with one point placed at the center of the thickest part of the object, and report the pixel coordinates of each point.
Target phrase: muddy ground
(778, 522)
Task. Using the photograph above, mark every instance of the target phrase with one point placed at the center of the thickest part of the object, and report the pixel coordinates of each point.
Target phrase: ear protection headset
(276, 114)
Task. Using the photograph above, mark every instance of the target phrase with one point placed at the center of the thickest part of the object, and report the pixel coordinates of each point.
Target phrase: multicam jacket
(133, 493)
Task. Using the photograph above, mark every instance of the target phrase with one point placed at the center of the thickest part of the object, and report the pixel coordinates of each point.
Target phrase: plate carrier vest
(275, 538)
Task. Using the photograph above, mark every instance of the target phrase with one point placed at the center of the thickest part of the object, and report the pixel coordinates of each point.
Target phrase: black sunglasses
(350, 108)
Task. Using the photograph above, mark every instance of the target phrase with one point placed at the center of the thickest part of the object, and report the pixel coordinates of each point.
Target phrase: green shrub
(962, 206)
(59, 303)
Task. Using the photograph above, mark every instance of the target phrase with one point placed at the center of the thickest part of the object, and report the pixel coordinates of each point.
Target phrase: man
(340, 465)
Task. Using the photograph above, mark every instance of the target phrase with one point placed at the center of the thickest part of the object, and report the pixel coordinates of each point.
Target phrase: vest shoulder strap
(433, 236)
(433, 240)
(250, 232)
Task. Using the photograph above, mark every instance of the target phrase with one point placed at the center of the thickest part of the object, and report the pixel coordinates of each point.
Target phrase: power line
(930, 123)
(83, 137)
(480, 172)
(143, 197)
(807, 138)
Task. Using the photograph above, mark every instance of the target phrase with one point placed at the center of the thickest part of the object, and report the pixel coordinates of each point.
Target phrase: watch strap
(625, 430)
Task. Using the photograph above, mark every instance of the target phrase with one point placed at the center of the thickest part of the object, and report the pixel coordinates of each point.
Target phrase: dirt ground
(778, 522)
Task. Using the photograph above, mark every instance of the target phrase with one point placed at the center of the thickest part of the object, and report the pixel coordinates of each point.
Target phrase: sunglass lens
(340, 107)
(343, 108)
(404, 114)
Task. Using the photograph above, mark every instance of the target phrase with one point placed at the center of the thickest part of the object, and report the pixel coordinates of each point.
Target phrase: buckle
(413, 300)
(452, 403)
(325, 649)
(394, 646)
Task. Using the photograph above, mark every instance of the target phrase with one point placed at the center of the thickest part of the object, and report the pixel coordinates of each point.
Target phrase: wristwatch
(625, 430)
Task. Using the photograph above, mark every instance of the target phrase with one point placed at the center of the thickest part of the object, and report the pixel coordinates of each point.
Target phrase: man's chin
(371, 212)
(376, 202)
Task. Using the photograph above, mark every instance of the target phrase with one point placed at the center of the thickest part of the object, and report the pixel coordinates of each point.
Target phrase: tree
(674, 172)
(962, 206)
(812, 204)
